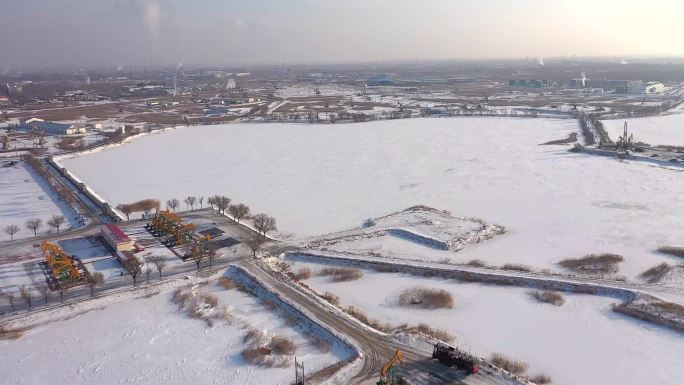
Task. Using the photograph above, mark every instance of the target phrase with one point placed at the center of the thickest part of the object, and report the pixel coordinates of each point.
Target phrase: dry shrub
(331, 298)
(253, 336)
(322, 345)
(227, 283)
(516, 267)
(290, 320)
(656, 273)
(439, 334)
(9, 334)
(267, 352)
(671, 307)
(510, 364)
(426, 298)
(257, 356)
(282, 345)
(548, 296)
(593, 264)
(204, 306)
(377, 325)
(341, 274)
(540, 378)
(303, 273)
(180, 298)
(672, 250)
(210, 299)
(477, 263)
(268, 304)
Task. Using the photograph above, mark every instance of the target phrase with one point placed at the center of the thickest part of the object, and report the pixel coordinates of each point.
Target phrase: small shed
(115, 238)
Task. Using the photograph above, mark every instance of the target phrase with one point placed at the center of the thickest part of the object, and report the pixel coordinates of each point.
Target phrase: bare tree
(11, 230)
(200, 200)
(159, 262)
(212, 200)
(264, 223)
(10, 299)
(190, 202)
(173, 204)
(63, 290)
(133, 267)
(34, 224)
(56, 221)
(45, 292)
(222, 202)
(95, 279)
(148, 270)
(196, 255)
(254, 243)
(126, 209)
(238, 211)
(26, 295)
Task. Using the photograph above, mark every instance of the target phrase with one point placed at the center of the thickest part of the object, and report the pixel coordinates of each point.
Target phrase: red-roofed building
(116, 238)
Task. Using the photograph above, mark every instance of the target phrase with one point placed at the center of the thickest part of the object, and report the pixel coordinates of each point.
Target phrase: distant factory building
(39, 125)
(528, 83)
(641, 88)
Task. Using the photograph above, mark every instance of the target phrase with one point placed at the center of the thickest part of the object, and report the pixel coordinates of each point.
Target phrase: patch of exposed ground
(425, 298)
(593, 264)
(572, 138)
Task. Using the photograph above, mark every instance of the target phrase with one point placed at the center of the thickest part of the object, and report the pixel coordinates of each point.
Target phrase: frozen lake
(322, 178)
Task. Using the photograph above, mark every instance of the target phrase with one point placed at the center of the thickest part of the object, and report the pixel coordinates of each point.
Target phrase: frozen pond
(321, 178)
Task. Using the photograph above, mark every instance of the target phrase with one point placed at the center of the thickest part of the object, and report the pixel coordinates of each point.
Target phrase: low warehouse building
(40, 125)
(116, 238)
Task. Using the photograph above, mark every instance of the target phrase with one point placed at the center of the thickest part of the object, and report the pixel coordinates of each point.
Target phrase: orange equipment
(61, 265)
(387, 372)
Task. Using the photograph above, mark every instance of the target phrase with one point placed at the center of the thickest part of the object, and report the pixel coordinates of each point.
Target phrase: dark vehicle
(450, 356)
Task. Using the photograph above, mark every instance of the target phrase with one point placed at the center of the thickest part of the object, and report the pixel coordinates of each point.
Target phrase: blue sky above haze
(151, 32)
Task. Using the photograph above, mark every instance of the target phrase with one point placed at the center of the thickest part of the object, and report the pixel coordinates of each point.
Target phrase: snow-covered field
(656, 130)
(322, 178)
(149, 341)
(580, 342)
(23, 196)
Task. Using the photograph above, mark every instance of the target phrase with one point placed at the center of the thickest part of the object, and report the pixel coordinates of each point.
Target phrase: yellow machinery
(166, 221)
(183, 233)
(387, 372)
(61, 265)
(170, 224)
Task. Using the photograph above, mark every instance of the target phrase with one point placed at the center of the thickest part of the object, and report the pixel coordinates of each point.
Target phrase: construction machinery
(450, 356)
(62, 266)
(387, 372)
(171, 227)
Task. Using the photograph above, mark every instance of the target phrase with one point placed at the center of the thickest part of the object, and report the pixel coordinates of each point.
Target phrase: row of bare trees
(144, 206)
(34, 224)
(63, 193)
(134, 267)
(28, 293)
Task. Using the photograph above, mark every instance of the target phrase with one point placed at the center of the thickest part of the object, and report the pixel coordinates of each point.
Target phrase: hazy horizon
(44, 33)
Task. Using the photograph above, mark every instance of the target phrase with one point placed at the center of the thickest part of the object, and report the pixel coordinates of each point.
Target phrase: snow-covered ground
(582, 341)
(317, 179)
(149, 341)
(23, 196)
(655, 130)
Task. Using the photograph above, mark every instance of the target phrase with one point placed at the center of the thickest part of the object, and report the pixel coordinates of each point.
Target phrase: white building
(648, 88)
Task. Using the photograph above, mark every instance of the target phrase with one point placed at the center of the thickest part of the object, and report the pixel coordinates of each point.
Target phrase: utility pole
(299, 372)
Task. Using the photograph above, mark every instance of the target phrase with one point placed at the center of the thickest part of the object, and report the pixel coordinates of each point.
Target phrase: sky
(83, 33)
